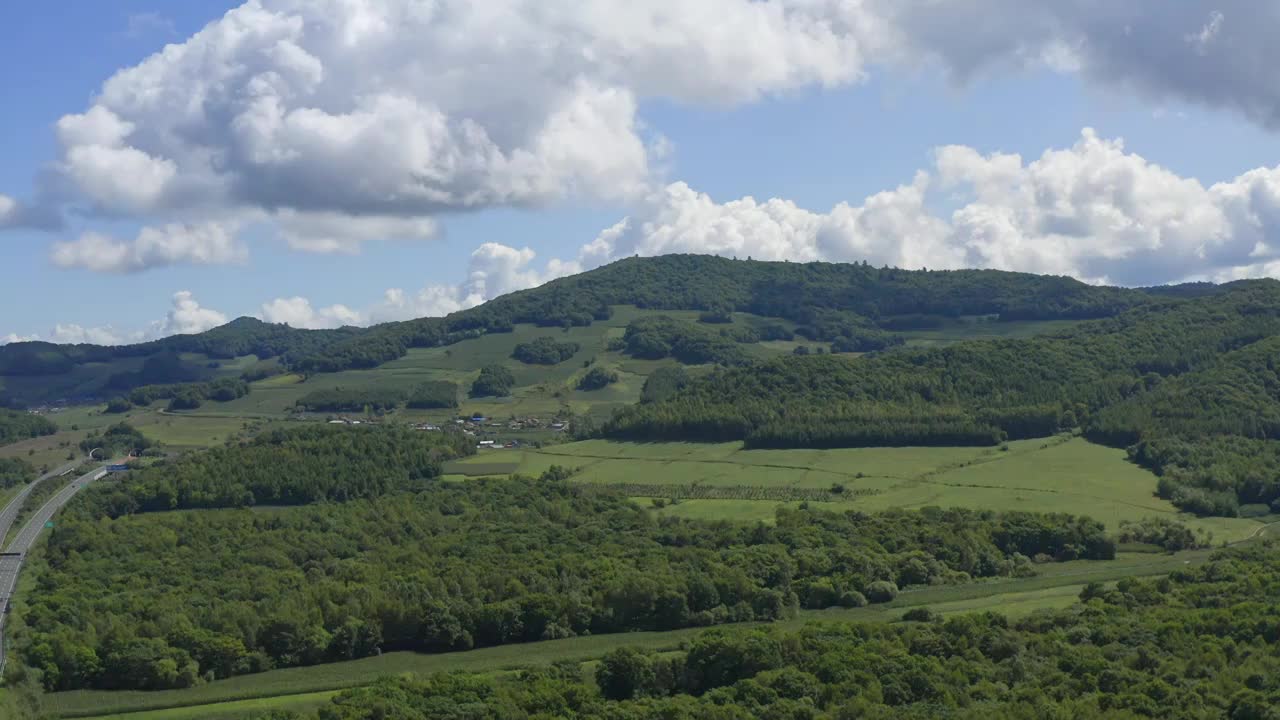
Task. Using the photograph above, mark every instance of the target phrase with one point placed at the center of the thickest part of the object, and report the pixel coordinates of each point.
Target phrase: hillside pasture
(1061, 474)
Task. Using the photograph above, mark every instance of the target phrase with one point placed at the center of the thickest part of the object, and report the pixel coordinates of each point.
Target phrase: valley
(511, 494)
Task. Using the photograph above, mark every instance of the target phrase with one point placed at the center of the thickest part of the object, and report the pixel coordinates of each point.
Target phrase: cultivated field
(1061, 474)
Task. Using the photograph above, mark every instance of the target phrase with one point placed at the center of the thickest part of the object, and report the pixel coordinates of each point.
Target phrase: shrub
(853, 599)
(920, 614)
(119, 405)
(597, 378)
(882, 591)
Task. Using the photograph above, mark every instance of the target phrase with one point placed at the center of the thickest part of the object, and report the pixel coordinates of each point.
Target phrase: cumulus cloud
(341, 121)
(185, 316)
(209, 243)
(493, 269)
(404, 109)
(1092, 210)
(298, 312)
(1216, 53)
(328, 232)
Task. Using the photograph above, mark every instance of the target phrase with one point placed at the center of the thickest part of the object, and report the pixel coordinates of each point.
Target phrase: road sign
(49, 524)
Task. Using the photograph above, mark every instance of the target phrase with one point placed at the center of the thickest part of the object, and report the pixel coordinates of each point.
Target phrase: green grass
(185, 431)
(232, 710)
(972, 329)
(1059, 474)
(1057, 585)
(541, 390)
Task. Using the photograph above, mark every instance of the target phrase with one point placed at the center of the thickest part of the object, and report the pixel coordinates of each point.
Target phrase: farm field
(1057, 586)
(1061, 474)
(232, 710)
(976, 329)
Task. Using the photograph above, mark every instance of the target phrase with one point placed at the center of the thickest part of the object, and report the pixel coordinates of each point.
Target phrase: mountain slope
(827, 301)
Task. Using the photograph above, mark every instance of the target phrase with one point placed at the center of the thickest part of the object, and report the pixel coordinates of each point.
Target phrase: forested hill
(827, 301)
(1191, 385)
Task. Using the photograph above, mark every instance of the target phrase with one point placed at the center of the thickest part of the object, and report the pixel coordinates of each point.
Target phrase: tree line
(15, 471)
(1196, 644)
(181, 396)
(17, 425)
(290, 466)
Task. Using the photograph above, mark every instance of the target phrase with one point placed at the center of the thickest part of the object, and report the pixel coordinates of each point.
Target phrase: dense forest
(16, 425)
(15, 471)
(283, 467)
(446, 566)
(1191, 386)
(1201, 643)
(359, 399)
(181, 396)
(846, 304)
(658, 337)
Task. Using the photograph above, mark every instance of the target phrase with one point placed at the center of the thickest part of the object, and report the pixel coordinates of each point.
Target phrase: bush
(596, 378)
(920, 614)
(853, 599)
(118, 405)
(882, 591)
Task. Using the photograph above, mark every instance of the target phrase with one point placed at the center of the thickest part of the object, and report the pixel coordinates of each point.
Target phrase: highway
(11, 559)
(10, 511)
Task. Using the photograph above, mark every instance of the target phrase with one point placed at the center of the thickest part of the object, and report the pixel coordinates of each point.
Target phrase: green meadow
(1060, 474)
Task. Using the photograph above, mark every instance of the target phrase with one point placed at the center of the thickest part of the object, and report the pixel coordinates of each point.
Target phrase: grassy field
(1056, 586)
(977, 329)
(233, 710)
(1059, 474)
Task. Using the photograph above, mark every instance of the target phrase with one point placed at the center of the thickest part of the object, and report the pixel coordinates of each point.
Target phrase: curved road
(11, 559)
(10, 511)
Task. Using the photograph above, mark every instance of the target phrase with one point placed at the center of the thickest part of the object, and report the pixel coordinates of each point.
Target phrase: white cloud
(14, 337)
(1093, 211)
(335, 232)
(297, 312)
(209, 243)
(342, 121)
(400, 109)
(185, 316)
(494, 269)
(74, 334)
(188, 317)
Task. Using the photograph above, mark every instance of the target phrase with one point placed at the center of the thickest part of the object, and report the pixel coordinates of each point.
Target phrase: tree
(494, 380)
(597, 378)
(624, 673)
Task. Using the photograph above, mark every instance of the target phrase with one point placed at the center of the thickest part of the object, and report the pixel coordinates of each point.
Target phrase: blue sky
(810, 145)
